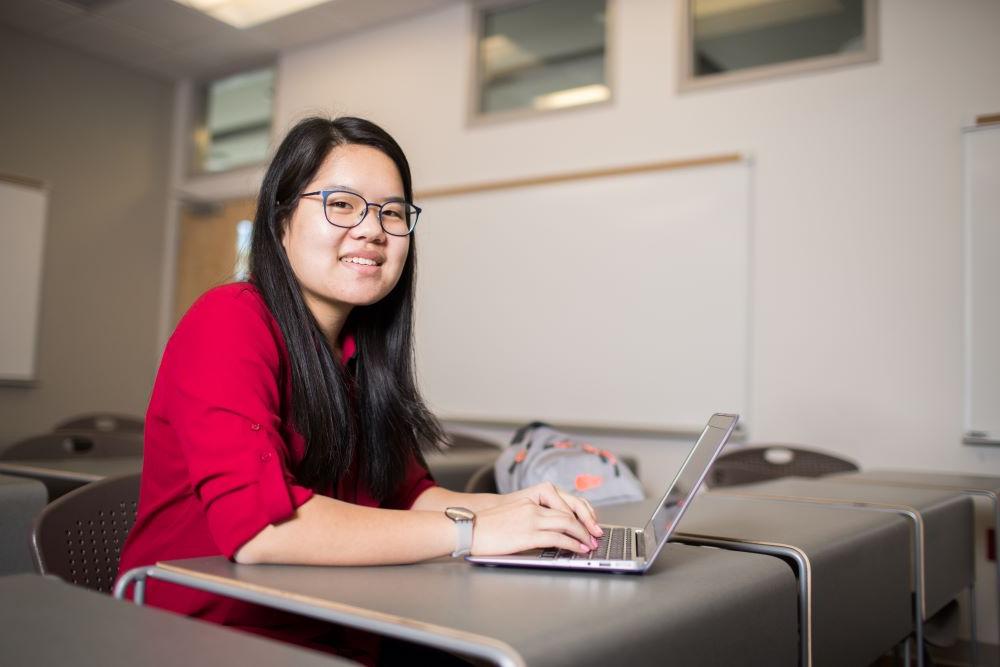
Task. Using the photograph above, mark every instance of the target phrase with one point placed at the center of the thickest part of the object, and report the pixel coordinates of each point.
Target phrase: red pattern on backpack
(586, 482)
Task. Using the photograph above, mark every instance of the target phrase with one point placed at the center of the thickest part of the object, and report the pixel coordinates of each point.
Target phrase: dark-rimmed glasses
(348, 209)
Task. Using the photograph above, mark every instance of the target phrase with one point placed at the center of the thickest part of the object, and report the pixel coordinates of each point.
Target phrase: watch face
(459, 514)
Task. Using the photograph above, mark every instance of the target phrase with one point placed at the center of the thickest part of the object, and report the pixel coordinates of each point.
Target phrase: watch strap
(464, 544)
(464, 520)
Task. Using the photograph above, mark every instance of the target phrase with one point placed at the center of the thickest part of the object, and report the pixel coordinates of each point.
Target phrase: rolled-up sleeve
(225, 368)
(418, 479)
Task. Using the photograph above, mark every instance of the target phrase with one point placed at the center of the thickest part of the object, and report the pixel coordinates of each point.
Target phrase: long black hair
(375, 417)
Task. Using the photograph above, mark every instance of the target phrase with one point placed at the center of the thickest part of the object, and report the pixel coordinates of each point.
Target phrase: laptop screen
(689, 477)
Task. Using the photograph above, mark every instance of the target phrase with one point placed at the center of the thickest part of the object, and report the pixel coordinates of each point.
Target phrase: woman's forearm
(325, 531)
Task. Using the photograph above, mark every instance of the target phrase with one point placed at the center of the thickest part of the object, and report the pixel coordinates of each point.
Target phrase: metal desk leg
(996, 545)
(973, 637)
(919, 632)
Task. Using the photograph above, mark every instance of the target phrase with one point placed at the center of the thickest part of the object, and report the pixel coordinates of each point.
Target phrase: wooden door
(207, 248)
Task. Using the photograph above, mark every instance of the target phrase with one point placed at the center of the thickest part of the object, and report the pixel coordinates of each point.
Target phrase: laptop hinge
(640, 544)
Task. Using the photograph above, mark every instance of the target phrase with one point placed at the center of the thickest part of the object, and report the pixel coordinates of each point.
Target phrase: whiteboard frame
(970, 436)
(42, 186)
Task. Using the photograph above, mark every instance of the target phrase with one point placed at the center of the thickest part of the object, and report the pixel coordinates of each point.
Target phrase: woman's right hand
(521, 525)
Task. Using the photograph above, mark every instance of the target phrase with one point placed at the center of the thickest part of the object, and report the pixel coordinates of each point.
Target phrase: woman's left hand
(549, 495)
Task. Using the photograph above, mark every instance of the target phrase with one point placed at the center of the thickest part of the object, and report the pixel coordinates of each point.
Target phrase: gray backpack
(539, 453)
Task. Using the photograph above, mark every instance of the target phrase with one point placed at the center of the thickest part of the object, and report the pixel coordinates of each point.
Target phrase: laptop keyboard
(615, 544)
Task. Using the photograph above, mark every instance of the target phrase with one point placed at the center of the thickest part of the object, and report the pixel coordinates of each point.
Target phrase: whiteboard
(22, 236)
(619, 301)
(982, 284)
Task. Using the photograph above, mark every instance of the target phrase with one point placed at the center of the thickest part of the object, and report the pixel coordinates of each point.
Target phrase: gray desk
(855, 600)
(942, 564)
(63, 475)
(20, 502)
(44, 621)
(695, 607)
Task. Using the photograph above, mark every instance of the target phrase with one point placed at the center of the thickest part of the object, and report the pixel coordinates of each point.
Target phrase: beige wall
(857, 295)
(98, 135)
(857, 229)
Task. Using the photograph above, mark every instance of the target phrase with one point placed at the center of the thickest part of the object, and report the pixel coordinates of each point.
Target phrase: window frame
(686, 81)
(475, 117)
(197, 124)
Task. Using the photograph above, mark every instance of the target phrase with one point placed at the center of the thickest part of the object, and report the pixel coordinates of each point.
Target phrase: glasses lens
(344, 209)
(398, 218)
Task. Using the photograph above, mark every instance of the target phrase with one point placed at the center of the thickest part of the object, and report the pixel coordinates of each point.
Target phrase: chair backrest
(484, 481)
(79, 537)
(762, 463)
(102, 422)
(67, 444)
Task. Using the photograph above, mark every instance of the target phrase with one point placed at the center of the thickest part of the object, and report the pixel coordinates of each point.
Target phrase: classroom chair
(102, 422)
(465, 454)
(69, 444)
(766, 462)
(79, 537)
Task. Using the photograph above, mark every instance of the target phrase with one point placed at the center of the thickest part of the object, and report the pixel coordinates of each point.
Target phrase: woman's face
(333, 264)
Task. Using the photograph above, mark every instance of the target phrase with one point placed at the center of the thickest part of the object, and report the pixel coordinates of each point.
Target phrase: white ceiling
(172, 41)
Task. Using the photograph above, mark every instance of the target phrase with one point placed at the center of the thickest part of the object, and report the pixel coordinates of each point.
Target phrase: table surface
(700, 606)
(10, 484)
(463, 456)
(937, 480)
(44, 621)
(82, 468)
(832, 491)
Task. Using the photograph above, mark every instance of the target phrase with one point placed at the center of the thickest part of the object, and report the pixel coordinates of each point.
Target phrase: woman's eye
(392, 213)
(342, 205)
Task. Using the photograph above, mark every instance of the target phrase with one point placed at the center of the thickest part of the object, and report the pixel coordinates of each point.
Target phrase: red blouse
(219, 440)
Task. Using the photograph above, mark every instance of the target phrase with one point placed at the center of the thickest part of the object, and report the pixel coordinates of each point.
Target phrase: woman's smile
(365, 263)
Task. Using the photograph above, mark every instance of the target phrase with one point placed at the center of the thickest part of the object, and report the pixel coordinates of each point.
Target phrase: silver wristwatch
(464, 519)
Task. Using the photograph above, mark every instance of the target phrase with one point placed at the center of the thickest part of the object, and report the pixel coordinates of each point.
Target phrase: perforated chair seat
(760, 464)
(79, 537)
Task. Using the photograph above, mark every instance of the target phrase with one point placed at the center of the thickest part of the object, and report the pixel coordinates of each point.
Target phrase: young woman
(285, 425)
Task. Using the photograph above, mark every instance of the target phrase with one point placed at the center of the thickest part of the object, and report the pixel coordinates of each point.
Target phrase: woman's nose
(369, 227)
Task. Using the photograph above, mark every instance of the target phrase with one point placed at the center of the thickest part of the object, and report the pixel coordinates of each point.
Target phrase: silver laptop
(630, 548)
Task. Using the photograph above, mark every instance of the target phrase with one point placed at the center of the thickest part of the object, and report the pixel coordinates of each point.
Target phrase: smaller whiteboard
(982, 285)
(22, 238)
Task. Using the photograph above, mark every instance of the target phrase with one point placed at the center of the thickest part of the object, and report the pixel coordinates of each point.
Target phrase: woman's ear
(283, 236)
(283, 222)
